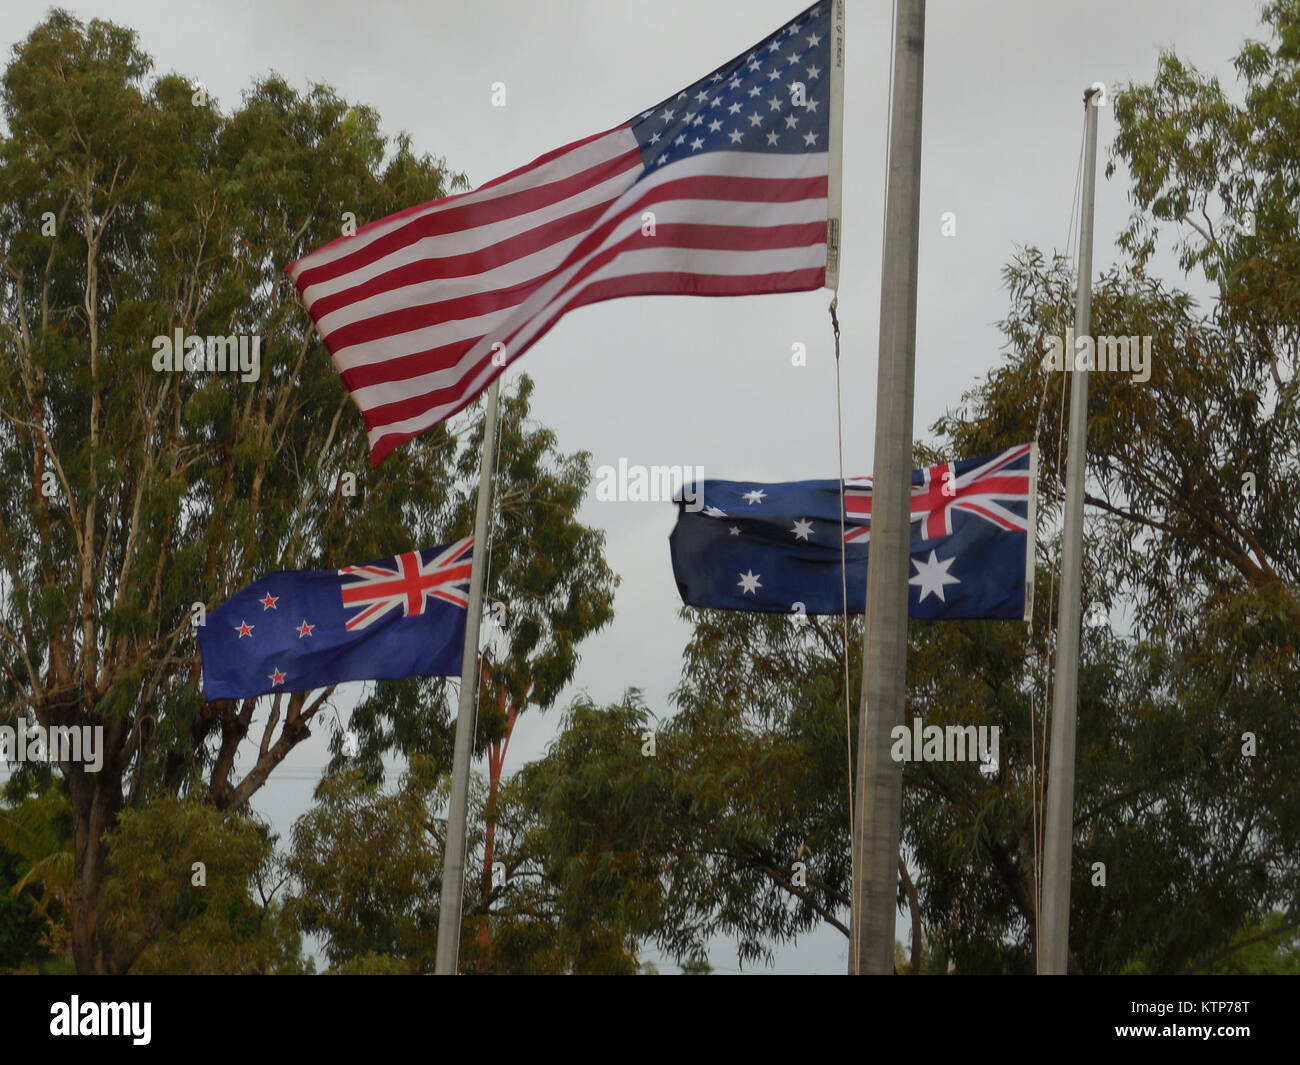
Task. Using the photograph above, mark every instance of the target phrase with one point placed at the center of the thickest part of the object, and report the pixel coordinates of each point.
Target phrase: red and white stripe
(414, 307)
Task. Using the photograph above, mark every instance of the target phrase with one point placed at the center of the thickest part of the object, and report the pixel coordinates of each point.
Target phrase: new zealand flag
(398, 617)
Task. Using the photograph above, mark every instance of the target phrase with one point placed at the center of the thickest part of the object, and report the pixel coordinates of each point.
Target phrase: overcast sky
(709, 382)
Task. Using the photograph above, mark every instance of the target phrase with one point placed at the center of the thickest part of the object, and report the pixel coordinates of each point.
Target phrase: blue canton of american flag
(726, 188)
(774, 99)
(776, 547)
(298, 630)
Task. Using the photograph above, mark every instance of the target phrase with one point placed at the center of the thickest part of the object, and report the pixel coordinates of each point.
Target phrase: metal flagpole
(453, 862)
(879, 798)
(1053, 945)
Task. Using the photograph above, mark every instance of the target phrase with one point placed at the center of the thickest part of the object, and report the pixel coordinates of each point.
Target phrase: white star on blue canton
(760, 79)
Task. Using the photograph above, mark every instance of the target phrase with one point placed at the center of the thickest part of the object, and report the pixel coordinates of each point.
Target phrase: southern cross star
(932, 576)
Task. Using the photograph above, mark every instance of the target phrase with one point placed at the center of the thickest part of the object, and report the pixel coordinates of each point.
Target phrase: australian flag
(776, 547)
(398, 617)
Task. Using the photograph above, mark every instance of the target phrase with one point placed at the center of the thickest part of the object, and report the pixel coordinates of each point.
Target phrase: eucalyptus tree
(136, 214)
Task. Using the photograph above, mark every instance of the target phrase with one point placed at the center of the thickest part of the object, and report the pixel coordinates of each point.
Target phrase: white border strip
(1031, 540)
(834, 206)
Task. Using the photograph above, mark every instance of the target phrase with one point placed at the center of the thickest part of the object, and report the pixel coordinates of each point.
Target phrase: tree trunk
(94, 817)
(96, 799)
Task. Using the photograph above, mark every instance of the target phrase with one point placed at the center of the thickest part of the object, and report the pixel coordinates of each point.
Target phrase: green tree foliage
(751, 776)
(130, 208)
(761, 768)
(582, 836)
(24, 930)
(192, 889)
(39, 831)
(1267, 947)
(35, 879)
(579, 888)
(368, 867)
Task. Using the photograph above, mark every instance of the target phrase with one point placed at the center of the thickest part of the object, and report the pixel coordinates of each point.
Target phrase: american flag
(723, 189)
(989, 488)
